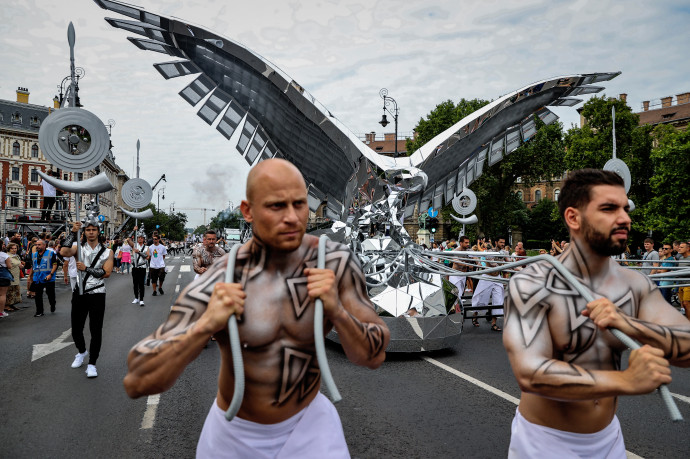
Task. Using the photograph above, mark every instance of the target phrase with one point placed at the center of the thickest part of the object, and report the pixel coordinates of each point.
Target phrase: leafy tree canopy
(667, 211)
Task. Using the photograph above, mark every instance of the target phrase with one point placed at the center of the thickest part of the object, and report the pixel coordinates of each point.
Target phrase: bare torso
(550, 309)
(282, 375)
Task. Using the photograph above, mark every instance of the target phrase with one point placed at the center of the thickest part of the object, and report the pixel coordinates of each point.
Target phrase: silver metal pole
(77, 198)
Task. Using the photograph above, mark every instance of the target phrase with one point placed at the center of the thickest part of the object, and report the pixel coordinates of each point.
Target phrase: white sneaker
(135, 301)
(91, 371)
(79, 359)
(141, 303)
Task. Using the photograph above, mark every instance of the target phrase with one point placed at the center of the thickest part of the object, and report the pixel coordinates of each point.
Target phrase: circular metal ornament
(137, 193)
(619, 167)
(74, 139)
(465, 202)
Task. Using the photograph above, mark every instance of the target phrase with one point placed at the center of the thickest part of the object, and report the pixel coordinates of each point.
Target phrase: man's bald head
(271, 169)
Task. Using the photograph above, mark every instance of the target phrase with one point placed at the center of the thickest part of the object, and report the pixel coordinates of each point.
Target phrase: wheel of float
(74, 139)
(465, 202)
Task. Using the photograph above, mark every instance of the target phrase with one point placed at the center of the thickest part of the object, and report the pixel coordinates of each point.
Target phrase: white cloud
(342, 52)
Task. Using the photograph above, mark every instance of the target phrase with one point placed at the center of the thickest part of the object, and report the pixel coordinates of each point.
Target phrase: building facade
(21, 158)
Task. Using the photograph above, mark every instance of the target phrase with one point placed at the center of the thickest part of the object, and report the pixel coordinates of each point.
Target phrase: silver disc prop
(465, 202)
(137, 193)
(74, 139)
(619, 167)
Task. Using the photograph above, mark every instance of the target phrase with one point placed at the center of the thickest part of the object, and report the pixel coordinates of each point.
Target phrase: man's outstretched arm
(203, 308)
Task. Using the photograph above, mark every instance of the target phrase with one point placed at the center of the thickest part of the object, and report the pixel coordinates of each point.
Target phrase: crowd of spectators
(650, 259)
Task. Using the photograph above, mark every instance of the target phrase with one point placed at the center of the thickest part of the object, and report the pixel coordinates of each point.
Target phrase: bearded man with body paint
(566, 362)
(283, 414)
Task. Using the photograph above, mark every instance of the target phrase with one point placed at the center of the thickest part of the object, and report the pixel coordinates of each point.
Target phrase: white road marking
(682, 398)
(472, 380)
(185, 269)
(150, 413)
(41, 350)
(168, 269)
(504, 395)
(177, 288)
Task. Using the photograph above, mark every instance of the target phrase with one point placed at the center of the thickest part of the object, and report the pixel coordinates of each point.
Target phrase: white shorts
(528, 440)
(486, 290)
(459, 282)
(315, 432)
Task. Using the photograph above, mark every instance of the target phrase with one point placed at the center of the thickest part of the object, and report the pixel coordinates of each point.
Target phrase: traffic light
(433, 224)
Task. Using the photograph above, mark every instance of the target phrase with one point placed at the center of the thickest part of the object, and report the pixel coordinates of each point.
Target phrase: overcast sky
(343, 52)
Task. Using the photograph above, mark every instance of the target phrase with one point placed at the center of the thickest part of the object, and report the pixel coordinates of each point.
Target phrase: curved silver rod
(319, 340)
(235, 347)
(148, 213)
(97, 184)
(671, 406)
(465, 221)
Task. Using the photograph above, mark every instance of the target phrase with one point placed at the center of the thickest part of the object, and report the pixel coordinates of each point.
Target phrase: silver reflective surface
(366, 194)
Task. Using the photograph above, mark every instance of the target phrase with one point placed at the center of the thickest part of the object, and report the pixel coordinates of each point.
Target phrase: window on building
(14, 199)
(34, 151)
(556, 192)
(33, 201)
(35, 121)
(15, 149)
(16, 117)
(15, 173)
(537, 195)
(34, 175)
(80, 176)
(520, 196)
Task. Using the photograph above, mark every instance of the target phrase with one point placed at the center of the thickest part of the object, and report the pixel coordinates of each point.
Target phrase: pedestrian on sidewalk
(45, 264)
(96, 265)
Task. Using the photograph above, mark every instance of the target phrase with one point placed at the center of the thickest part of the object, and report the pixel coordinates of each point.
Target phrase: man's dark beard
(602, 244)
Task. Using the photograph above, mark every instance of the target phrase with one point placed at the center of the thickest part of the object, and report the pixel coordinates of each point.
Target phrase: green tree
(226, 219)
(544, 225)
(498, 208)
(540, 159)
(592, 145)
(172, 225)
(667, 211)
(441, 118)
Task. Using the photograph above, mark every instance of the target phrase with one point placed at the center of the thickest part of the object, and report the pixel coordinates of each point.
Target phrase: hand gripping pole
(671, 406)
(319, 340)
(235, 347)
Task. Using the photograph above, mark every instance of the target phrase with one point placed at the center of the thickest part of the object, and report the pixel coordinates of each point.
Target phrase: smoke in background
(216, 187)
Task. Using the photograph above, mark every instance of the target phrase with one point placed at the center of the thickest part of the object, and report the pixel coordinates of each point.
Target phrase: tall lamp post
(387, 100)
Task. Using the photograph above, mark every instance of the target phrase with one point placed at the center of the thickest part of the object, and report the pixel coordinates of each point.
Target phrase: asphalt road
(454, 403)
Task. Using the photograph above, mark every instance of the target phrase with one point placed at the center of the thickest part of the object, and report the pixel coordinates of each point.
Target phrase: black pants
(38, 288)
(138, 280)
(93, 306)
(47, 205)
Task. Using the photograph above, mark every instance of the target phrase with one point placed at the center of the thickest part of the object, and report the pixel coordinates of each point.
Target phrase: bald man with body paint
(283, 414)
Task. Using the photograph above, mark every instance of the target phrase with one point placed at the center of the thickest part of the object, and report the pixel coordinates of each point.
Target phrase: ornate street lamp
(384, 121)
